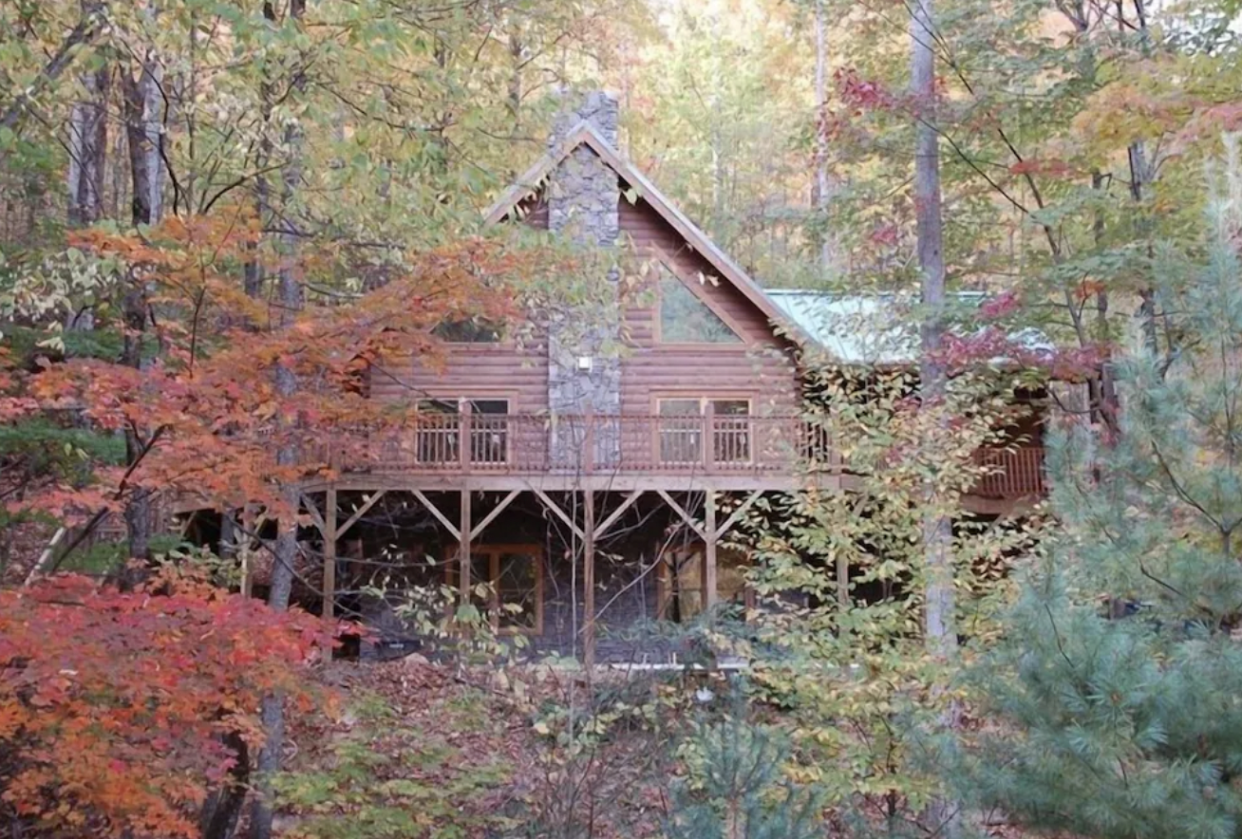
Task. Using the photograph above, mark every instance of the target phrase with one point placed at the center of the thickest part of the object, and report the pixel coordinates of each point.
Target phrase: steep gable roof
(585, 134)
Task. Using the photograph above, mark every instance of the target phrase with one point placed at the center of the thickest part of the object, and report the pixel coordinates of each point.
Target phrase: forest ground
(414, 748)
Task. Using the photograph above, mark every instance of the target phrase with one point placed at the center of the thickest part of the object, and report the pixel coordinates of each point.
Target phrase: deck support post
(329, 554)
(588, 580)
(463, 547)
(709, 551)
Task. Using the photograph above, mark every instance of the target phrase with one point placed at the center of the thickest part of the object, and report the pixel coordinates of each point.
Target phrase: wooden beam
(490, 517)
(709, 552)
(463, 548)
(588, 580)
(361, 511)
(328, 528)
(737, 514)
(399, 480)
(686, 517)
(617, 513)
(435, 511)
(551, 505)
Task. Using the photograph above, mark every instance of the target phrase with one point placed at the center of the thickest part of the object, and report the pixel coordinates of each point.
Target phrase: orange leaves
(211, 388)
(1088, 289)
(111, 704)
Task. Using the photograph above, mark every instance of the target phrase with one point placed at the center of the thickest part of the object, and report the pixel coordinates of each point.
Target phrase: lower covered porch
(577, 573)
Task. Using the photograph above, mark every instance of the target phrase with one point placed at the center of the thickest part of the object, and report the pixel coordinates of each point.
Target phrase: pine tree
(1116, 692)
(737, 787)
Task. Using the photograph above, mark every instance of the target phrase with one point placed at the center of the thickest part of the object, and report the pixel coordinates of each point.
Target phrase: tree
(939, 621)
(1117, 680)
(737, 787)
(837, 641)
(120, 711)
(722, 119)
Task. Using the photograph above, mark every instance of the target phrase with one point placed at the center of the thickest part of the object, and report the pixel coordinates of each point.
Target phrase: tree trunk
(142, 131)
(88, 149)
(823, 186)
(140, 108)
(286, 547)
(222, 808)
(937, 537)
(90, 24)
(933, 377)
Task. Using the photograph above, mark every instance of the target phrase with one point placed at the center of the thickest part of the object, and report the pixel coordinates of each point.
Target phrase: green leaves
(1118, 669)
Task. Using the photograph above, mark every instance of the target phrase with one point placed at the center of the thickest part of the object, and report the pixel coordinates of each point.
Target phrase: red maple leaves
(114, 706)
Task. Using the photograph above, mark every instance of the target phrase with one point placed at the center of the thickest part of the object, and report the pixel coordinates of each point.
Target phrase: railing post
(588, 456)
(463, 437)
(709, 435)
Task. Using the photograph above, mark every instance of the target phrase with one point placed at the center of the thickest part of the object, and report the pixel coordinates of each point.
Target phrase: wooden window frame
(668, 263)
(493, 553)
(703, 399)
(441, 395)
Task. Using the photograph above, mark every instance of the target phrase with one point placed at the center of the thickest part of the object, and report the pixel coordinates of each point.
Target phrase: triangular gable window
(685, 319)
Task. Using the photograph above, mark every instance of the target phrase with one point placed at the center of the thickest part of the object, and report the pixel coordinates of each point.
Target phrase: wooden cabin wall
(507, 370)
(759, 367)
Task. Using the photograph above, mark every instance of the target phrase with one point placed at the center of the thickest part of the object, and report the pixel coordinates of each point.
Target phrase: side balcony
(712, 446)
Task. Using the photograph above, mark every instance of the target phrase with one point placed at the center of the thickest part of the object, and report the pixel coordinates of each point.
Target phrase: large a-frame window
(685, 319)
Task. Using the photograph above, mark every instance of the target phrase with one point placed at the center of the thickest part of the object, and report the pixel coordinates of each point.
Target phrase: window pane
(438, 406)
(731, 431)
(731, 407)
(489, 406)
(518, 585)
(679, 407)
(686, 319)
(489, 431)
(680, 430)
(435, 440)
(469, 331)
(731, 575)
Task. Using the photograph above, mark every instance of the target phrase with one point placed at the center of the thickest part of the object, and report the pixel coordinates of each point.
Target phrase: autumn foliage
(115, 706)
(205, 402)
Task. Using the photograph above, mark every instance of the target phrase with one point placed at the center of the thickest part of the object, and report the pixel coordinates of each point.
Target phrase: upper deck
(737, 452)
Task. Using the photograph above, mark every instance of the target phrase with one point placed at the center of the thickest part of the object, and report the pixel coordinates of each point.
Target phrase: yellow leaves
(1156, 97)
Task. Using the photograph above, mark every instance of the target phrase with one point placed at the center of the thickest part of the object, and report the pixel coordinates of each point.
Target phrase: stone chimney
(596, 107)
(583, 192)
(584, 378)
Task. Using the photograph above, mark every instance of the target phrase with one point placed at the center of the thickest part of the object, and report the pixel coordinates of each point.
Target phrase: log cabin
(590, 480)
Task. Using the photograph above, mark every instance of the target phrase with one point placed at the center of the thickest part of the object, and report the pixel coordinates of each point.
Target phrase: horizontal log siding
(519, 374)
(759, 367)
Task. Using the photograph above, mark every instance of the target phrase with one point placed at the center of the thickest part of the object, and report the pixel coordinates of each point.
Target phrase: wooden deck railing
(1011, 472)
(534, 444)
(530, 444)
